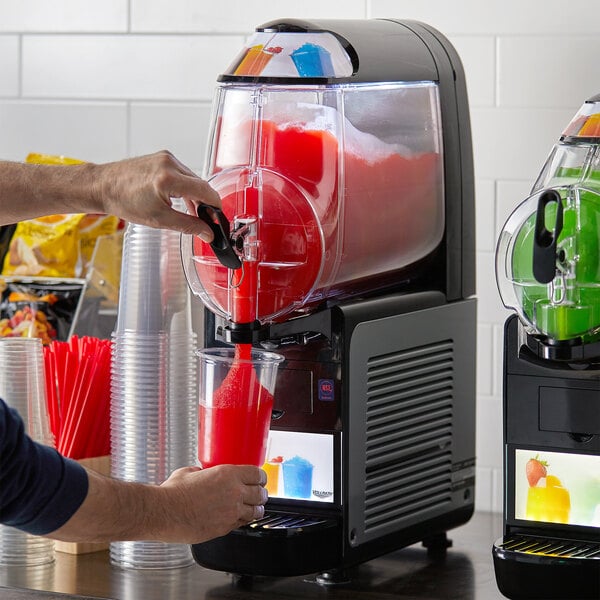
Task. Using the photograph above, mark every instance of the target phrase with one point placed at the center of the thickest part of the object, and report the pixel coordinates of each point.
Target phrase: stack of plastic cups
(23, 387)
(154, 380)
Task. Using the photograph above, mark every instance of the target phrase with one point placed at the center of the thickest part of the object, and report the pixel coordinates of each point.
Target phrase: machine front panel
(552, 411)
(307, 397)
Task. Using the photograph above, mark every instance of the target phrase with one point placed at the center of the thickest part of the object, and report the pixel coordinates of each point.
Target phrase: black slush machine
(548, 271)
(342, 154)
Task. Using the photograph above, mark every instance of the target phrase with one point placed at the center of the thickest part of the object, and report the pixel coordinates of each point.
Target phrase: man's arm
(192, 506)
(136, 189)
(46, 494)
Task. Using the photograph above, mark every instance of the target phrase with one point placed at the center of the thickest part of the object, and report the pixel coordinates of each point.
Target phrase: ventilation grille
(408, 434)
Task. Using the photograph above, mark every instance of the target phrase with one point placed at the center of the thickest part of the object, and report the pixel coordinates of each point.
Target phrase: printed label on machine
(557, 487)
(300, 466)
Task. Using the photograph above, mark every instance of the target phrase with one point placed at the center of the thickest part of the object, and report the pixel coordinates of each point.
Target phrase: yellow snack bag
(51, 159)
(92, 227)
(104, 269)
(45, 247)
(56, 245)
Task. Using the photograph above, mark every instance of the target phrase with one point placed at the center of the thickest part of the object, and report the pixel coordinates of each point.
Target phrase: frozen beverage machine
(548, 271)
(341, 150)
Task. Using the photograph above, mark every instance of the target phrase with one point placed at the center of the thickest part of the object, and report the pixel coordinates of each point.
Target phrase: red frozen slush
(234, 429)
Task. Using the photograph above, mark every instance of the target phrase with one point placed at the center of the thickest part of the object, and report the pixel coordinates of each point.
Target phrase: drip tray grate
(553, 547)
(289, 523)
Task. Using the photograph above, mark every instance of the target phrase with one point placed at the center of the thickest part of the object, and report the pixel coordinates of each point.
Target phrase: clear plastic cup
(235, 405)
(150, 555)
(23, 387)
(140, 299)
(154, 386)
(154, 295)
(18, 548)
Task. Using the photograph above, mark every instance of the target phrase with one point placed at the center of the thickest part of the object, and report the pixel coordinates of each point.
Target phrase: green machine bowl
(548, 253)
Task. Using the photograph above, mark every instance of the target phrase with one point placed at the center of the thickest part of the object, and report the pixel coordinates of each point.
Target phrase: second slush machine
(548, 272)
(342, 154)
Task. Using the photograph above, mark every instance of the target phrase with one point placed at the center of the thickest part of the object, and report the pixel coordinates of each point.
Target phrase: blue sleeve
(39, 489)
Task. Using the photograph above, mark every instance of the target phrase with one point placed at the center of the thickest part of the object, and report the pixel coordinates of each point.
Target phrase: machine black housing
(548, 406)
(402, 362)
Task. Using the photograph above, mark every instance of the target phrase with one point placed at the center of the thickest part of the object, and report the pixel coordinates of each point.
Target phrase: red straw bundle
(78, 392)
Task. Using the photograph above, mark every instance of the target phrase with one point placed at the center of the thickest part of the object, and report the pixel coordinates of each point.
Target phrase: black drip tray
(551, 568)
(279, 544)
(551, 547)
(288, 523)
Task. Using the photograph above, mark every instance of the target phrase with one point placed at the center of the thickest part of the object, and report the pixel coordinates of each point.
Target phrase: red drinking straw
(91, 430)
(51, 396)
(78, 386)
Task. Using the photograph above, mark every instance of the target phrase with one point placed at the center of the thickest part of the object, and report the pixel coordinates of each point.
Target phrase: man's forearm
(139, 190)
(193, 505)
(30, 191)
(115, 510)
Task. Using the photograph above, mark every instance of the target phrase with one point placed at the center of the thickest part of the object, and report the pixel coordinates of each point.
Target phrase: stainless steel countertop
(467, 573)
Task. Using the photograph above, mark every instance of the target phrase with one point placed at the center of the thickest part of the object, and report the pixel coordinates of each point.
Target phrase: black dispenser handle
(221, 243)
(544, 243)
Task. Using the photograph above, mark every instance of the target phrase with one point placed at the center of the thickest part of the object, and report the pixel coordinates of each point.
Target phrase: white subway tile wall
(94, 131)
(180, 127)
(105, 80)
(9, 66)
(239, 16)
(27, 16)
(149, 67)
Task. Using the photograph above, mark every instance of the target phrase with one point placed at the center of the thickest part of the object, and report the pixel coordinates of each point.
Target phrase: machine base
(296, 545)
(285, 544)
(549, 568)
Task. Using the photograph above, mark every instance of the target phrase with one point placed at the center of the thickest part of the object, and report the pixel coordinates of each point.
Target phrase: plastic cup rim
(227, 355)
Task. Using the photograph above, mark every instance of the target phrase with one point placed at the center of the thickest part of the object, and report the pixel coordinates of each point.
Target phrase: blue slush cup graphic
(297, 477)
(312, 61)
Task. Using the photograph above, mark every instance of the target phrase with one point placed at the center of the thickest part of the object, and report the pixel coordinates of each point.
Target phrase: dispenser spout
(221, 243)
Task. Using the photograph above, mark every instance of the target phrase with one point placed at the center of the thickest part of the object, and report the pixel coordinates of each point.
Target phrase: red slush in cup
(236, 401)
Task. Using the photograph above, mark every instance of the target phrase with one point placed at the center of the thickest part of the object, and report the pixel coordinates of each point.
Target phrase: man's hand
(193, 505)
(207, 503)
(140, 190)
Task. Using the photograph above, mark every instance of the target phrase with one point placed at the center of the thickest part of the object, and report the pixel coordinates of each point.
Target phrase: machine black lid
(380, 50)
